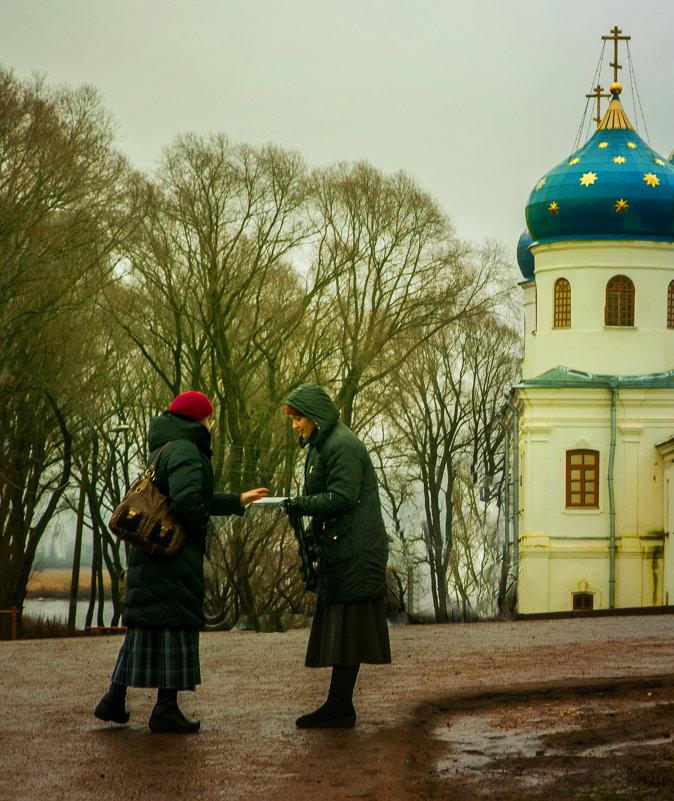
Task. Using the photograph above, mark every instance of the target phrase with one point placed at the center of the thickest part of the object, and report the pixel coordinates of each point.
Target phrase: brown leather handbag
(144, 517)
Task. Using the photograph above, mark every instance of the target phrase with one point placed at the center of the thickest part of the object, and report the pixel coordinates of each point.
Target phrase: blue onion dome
(614, 187)
(525, 258)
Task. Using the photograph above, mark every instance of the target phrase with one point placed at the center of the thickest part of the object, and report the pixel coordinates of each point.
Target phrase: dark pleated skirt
(166, 658)
(348, 634)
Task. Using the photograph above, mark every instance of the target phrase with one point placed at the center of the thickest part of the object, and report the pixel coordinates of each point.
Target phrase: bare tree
(431, 417)
(66, 208)
(216, 304)
(400, 276)
(445, 407)
(399, 491)
(494, 358)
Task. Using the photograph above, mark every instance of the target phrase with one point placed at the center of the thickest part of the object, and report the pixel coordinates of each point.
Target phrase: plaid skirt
(348, 634)
(165, 658)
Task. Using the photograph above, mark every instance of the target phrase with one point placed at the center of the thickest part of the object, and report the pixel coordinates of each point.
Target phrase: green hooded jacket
(163, 593)
(341, 496)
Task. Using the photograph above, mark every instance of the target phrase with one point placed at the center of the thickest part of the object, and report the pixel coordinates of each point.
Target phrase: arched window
(582, 479)
(619, 310)
(670, 305)
(562, 304)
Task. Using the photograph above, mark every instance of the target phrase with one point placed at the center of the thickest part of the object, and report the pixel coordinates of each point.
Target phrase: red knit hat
(192, 404)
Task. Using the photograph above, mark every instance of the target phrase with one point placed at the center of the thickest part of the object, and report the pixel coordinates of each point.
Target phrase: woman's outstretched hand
(253, 495)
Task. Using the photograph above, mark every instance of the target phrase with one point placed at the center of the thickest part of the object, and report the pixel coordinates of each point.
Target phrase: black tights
(342, 682)
(164, 697)
(167, 697)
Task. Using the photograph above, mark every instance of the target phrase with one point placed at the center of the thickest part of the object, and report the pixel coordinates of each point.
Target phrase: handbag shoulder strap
(152, 469)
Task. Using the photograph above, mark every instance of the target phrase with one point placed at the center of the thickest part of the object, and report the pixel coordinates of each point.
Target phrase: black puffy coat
(341, 496)
(163, 593)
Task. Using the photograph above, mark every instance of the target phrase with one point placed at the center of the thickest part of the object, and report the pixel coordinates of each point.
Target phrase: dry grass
(37, 628)
(55, 583)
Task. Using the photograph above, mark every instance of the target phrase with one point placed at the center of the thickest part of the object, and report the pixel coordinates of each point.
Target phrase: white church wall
(564, 549)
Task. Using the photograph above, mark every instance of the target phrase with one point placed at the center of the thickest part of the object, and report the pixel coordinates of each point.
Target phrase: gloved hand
(290, 507)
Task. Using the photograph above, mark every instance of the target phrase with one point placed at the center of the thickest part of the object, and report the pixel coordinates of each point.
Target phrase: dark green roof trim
(567, 377)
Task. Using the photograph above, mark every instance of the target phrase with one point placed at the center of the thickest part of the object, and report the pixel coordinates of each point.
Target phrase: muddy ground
(572, 709)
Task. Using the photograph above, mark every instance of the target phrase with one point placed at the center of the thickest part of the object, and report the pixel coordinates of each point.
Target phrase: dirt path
(499, 710)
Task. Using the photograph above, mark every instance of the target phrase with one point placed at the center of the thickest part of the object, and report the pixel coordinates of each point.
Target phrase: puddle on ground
(475, 740)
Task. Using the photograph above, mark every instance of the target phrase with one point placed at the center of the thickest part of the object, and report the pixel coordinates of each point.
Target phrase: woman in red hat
(164, 598)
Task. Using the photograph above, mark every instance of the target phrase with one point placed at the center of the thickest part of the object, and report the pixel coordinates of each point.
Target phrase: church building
(593, 416)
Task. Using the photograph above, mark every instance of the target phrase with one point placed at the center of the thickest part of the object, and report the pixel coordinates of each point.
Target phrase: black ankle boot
(166, 716)
(329, 716)
(337, 711)
(113, 705)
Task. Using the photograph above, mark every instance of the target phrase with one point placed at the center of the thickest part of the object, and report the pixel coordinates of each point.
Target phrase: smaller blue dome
(525, 258)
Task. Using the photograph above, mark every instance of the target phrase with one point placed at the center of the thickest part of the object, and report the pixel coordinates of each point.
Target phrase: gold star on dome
(632, 145)
(588, 178)
(660, 162)
(539, 185)
(621, 206)
(651, 179)
(619, 160)
(602, 145)
(574, 161)
(553, 208)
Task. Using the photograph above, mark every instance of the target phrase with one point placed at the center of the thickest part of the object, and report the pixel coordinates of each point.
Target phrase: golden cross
(598, 94)
(616, 37)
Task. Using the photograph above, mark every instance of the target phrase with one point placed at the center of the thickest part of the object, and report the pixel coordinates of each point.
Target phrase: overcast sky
(474, 99)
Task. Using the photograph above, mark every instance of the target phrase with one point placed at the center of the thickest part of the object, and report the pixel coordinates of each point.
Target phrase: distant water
(57, 608)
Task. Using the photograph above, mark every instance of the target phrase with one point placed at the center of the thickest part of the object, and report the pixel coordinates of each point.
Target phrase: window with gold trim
(562, 304)
(670, 305)
(619, 309)
(582, 479)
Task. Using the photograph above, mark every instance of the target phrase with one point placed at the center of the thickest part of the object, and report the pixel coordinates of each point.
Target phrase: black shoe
(171, 720)
(328, 717)
(112, 708)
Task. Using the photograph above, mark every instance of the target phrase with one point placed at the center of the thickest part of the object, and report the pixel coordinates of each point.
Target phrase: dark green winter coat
(342, 498)
(169, 594)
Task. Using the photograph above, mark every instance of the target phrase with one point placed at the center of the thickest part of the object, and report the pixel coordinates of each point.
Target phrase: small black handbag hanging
(144, 517)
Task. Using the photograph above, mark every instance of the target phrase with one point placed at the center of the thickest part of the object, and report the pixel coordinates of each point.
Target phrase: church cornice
(562, 376)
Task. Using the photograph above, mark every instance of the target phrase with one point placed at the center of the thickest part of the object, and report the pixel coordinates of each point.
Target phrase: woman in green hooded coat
(341, 497)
